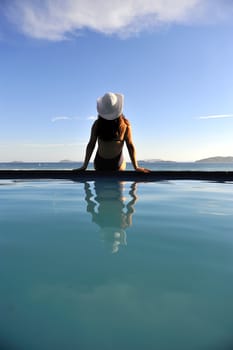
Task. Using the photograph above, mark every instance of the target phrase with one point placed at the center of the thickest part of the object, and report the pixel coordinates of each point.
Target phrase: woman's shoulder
(94, 125)
(125, 120)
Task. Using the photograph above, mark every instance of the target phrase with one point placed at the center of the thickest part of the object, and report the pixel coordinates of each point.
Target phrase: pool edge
(89, 175)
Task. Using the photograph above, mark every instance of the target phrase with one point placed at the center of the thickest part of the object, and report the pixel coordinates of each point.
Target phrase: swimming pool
(110, 265)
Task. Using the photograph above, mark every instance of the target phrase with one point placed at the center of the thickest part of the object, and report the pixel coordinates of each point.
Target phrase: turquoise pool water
(109, 265)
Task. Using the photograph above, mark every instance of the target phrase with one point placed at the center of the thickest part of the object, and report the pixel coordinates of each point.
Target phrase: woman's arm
(132, 150)
(90, 147)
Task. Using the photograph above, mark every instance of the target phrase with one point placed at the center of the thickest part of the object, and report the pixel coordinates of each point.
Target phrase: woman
(111, 130)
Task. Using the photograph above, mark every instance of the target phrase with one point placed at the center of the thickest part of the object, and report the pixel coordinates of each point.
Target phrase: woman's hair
(108, 130)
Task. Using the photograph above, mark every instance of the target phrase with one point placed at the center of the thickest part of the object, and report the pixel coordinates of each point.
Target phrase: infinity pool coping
(89, 175)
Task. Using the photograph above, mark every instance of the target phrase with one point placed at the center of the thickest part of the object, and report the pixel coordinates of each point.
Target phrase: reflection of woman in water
(109, 211)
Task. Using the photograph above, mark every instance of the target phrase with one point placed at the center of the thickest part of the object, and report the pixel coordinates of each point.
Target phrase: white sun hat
(110, 105)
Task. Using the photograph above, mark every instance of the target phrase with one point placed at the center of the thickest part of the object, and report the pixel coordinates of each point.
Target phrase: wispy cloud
(216, 116)
(53, 145)
(56, 19)
(92, 117)
(62, 118)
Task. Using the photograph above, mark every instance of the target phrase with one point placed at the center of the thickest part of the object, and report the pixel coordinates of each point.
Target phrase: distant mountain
(66, 161)
(156, 161)
(216, 160)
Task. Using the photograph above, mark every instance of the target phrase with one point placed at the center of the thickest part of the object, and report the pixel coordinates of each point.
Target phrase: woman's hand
(142, 170)
(82, 168)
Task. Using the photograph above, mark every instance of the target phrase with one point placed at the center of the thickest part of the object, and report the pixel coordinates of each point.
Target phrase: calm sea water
(149, 165)
(116, 265)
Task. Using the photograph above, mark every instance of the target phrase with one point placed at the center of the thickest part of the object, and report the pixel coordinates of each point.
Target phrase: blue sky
(171, 59)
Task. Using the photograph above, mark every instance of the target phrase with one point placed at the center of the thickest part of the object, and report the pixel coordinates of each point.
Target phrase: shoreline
(128, 175)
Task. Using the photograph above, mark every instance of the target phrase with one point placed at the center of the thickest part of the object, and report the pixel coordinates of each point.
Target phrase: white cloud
(60, 118)
(91, 118)
(44, 145)
(56, 19)
(216, 116)
(56, 119)
(53, 145)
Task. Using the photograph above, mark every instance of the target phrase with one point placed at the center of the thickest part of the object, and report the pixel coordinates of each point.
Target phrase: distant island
(156, 161)
(66, 161)
(216, 160)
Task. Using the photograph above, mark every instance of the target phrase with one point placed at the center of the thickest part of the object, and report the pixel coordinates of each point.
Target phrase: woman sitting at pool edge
(111, 130)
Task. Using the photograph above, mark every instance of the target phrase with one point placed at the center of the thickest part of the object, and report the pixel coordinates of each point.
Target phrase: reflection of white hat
(110, 106)
(114, 237)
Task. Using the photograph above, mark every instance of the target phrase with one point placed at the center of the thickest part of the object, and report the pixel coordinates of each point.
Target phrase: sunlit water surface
(109, 265)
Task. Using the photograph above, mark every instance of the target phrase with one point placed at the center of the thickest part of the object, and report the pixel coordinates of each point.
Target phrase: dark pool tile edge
(89, 175)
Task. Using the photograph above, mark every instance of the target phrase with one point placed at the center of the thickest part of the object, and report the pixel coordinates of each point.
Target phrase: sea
(179, 166)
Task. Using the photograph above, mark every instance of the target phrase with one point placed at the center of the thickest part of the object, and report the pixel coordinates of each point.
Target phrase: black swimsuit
(115, 163)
